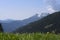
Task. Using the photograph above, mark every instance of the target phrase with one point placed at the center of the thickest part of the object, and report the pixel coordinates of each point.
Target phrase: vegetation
(29, 36)
(1, 29)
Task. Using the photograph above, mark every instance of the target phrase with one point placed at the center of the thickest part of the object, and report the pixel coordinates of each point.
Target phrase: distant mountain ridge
(11, 25)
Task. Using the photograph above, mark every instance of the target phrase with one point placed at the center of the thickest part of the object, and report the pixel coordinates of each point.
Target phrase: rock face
(1, 29)
(50, 23)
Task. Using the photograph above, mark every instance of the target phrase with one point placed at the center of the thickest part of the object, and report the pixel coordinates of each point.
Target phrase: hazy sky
(21, 9)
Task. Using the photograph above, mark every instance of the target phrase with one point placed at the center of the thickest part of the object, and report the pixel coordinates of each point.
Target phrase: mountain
(31, 19)
(11, 25)
(50, 23)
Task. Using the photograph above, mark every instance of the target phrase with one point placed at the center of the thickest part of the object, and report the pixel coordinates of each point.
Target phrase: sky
(22, 9)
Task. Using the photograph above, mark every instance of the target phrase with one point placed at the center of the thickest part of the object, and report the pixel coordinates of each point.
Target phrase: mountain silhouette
(1, 29)
(50, 23)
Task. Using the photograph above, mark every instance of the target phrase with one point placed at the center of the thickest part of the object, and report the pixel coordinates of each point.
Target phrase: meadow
(29, 36)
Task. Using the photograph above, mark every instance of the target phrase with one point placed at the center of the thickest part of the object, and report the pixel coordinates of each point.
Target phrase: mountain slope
(12, 25)
(50, 23)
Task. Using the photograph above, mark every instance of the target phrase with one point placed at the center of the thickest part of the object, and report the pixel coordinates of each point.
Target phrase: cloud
(55, 4)
(50, 9)
(47, 9)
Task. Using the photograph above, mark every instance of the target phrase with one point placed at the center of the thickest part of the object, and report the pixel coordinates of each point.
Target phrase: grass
(29, 36)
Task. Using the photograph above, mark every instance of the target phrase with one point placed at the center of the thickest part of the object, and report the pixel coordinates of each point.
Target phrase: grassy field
(30, 36)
